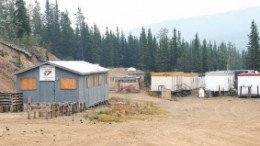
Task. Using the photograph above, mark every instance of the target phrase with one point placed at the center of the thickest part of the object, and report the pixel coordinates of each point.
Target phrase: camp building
(64, 81)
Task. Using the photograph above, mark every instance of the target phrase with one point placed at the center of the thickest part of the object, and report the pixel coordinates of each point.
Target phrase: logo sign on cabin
(47, 73)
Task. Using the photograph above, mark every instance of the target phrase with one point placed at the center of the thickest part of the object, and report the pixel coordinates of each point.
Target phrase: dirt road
(186, 121)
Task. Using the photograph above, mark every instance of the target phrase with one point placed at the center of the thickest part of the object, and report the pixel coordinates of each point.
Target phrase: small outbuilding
(64, 81)
(128, 84)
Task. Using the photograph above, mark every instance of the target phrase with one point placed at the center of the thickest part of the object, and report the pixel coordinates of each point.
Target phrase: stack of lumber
(11, 102)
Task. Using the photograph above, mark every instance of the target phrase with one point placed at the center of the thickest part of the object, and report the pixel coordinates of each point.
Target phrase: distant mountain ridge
(231, 27)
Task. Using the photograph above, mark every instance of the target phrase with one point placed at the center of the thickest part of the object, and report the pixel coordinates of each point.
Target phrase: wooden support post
(34, 113)
(257, 90)
(219, 90)
(41, 110)
(240, 93)
(47, 110)
(249, 91)
(29, 108)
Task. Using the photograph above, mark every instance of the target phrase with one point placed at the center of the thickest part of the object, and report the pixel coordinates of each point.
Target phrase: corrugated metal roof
(192, 74)
(78, 67)
(249, 74)
(166, 73)
(219, 73)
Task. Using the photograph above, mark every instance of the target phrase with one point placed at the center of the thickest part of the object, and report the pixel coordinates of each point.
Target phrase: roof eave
(30, 68)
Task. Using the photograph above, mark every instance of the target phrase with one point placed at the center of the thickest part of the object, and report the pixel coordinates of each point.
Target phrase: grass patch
(120, 112)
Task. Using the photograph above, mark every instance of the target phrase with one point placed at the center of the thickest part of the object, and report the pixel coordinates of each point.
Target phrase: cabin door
(47, 91)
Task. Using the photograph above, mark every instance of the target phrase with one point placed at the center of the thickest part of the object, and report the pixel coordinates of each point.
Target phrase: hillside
(13, 60)
(231, 27)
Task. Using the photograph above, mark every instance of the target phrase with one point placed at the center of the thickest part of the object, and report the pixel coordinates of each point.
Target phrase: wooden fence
(55, 109)
(11, 102)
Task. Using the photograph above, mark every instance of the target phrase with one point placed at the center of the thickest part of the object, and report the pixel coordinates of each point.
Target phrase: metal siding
(106, 92)
(102, 88)
(34, 73)
(105, 88)
(66, 95)
(82, 88)
(91, 92)
(245, 81)
(47, 91)
(87, 97)
(86, 93)
(214, 83)
(90, 96)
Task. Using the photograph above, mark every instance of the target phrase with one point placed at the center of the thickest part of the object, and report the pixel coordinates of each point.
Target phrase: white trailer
(168, 80)
(248, 84)
(219, 81)
(191, 81)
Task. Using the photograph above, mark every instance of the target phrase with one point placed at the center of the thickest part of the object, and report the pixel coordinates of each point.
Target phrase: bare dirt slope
(10, 62)
(187, 121)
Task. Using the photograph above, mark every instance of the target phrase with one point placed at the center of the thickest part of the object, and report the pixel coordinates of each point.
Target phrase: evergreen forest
(30, 25)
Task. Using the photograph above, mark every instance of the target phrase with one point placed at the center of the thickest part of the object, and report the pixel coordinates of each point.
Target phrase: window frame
(71, 86)
(26, 86)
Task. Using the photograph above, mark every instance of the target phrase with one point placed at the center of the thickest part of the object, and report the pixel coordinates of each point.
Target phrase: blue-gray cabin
(64, 81)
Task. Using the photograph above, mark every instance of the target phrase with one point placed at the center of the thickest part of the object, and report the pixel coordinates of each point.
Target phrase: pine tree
(67, 39)
(117, 51)
(22, 21)
(143, 50)
(253, 50)
(81, 37)
(196, 57)
(163, 63)
(132, 51)
(204, 56)
(55, 29)
(174, 51)
(223, 56)
(122, 50)
(215, 57)
(86, 43)
(2, 16)
(151, 50)
(37, 22)
(96, 44)
(47, 24)
(107, 49)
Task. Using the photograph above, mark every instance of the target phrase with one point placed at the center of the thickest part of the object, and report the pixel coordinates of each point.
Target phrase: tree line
(165, 51)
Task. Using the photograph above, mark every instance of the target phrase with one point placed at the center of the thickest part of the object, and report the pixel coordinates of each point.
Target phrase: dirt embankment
(10, 62)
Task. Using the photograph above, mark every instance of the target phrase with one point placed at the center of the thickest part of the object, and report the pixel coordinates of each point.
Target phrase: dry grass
(124, 111)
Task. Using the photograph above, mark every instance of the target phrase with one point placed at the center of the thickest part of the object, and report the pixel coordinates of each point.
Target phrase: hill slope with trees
(165, 51)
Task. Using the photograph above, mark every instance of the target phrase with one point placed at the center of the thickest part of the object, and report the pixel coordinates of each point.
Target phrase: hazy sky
(127, 14)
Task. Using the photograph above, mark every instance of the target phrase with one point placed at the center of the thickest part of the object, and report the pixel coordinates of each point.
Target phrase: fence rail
(55, 109)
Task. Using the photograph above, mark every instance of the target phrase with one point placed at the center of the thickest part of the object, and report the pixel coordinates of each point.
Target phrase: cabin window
(28, 84)
(68, 84)
(88, 82)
